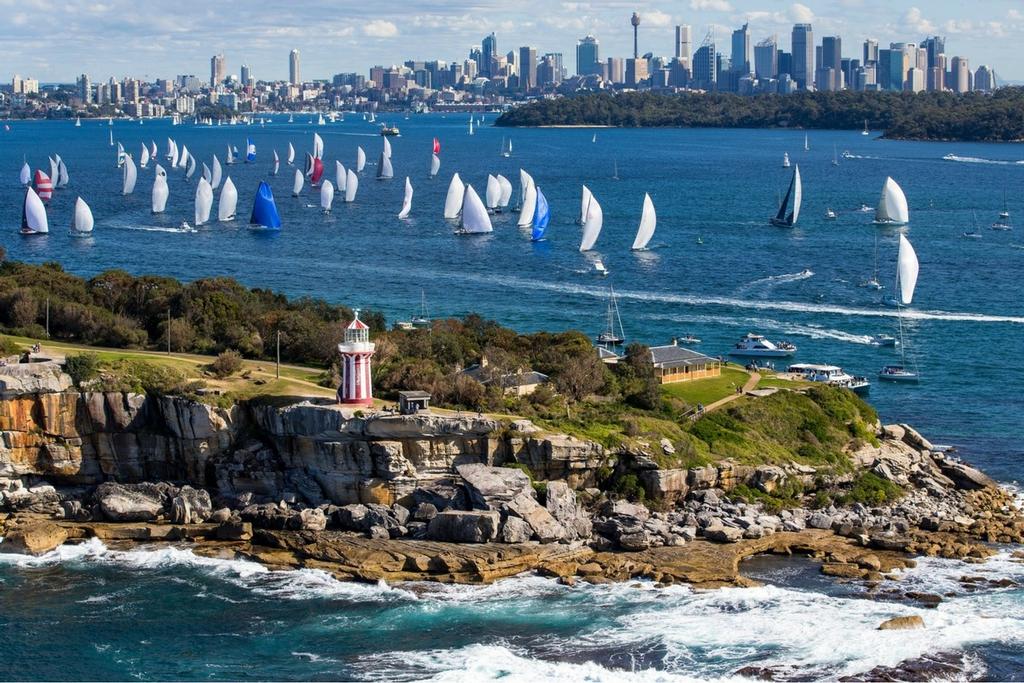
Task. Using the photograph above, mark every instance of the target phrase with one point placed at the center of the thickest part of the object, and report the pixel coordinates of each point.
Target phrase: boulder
(35, 539)
(819, 520)
(902, 623)
(966, 477)
(269, 516)
(443, 494)
(233, 530)
(635, 542)
(424, 512)
(515, 530)
(352, 517)
(768, 478)
(562, 504)
(312, 519)
(464, 526)
(130, 502)
(220, 516)
(490, 488)
(723, 534)
(544, 526)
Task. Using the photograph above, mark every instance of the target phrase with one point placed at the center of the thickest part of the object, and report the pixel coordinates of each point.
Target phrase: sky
(149, 39)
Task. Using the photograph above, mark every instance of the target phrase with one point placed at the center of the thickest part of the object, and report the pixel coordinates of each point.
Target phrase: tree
(579, 377)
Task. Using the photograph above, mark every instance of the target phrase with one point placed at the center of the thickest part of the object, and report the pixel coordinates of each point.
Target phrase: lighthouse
(357, 349)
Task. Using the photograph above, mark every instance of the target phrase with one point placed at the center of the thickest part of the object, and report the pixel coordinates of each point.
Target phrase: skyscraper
(217, 71)
(870, 51)
(588, 60)
(934, 46)
(527, 68)
(85, 88)
(766, 58)
(985, 79)
(616, 70)
(684, 44)
(803, 56)
(741, 56)
(294, 74)
(488, 51)
(245, 75)
(831, 58)
(705, 71)
(959, 75)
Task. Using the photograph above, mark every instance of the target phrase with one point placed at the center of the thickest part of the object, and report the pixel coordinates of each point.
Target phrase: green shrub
(226, 364)
(871, 490)
(9, 347)
(628, 486)
(82, 367)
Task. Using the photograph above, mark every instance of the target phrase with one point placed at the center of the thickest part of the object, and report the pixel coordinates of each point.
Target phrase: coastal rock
(443, 494)
(352, 517)
(491, 488)
(464, 526)
(902, 623)
(819, 520)
(966, 477)
(723, 534)
(562, 504)
(35, 539)
(131, 502)
(544, 525)
(515, 530)
(17, 379)
(233, 530)
(312, 519)
(768, 478)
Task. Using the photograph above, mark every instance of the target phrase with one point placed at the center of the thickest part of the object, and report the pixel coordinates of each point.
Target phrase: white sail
(318, 146)
(407, 200)
(387, 148)
(63, 178)
(506, 191)
(584, 204)
(493, 192)
(326, 195)
(648, 220)
(291, 154)
(906, 271)
(384, 169)
(185, 156)
(204, 202)
(174, 154)
(277, 163)
(340, 176)
(798, 193)
(144, 156)
(160, 190)
(592, 223)
(152, 150)
(207, 173)
(529, 192)
(25, 177)
(475, 219)
(360, 159)
(33, 218)
(228, 201)
(83, 217)
(191, 167)
(351, 185)
(453, 200)
(216, 173)
(54, 172)
(128, 176)
(892, 206)
(435, 165)
(297, 184)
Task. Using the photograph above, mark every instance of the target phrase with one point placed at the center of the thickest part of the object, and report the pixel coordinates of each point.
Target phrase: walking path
(749, 386)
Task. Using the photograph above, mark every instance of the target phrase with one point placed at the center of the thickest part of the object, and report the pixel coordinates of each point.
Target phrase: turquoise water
(155, 616)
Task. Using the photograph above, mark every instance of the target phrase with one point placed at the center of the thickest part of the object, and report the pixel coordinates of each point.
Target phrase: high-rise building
(245, 75)
(488, 53)
(831, 58)
(527, 68)
(636, 72)
(616, 70)
(132, 90)
(959, 75)
(684, 44)
(934, 47)
(217, 70)
(766, 58)
(803, 56)
(985, 79)
(786, 63)
(870, 51)
(741, 56)
(294, 72)
(914, 81)
(705, 64)
(557, 64)
(588, 59)
(85, 88)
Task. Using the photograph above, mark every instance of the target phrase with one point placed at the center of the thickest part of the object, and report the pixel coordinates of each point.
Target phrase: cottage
(673, 363)
(522, 383)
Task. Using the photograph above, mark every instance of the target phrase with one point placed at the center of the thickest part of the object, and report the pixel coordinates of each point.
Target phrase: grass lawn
(707, 391)
(768, 381)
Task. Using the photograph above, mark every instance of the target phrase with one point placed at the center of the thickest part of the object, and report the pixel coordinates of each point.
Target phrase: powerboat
(756, 346)
(832, 375)
(897, 373)
(785, 160)
(864, 208)
(688, 340)
(600, 268)
(830, 215)
(884, 340)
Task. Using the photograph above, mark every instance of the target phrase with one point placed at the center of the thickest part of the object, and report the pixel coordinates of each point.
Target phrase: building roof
(413, 395)
(676, 356)
(357, 324)
(515, 379)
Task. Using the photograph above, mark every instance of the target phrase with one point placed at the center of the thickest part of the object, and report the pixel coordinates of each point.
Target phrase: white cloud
(656, 18)
(379, 28)
(917, 21)
(801, 14)
(711, 5)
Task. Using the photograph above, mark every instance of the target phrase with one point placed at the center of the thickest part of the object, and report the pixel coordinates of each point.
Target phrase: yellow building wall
(687, 373)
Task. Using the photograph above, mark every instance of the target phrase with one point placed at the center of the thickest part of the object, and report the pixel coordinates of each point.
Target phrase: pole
(168, 330)
(279, 354)
(47, 317)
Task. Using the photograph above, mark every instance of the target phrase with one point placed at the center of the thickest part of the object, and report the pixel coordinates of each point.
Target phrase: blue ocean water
(965, 331)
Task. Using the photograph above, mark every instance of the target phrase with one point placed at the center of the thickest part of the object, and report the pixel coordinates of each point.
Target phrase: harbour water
(166, 614)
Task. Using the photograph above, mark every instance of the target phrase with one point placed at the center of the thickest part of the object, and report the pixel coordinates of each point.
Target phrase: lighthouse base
(363, 402)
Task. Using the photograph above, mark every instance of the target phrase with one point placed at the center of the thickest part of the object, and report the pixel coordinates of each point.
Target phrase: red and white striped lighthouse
(357, 349)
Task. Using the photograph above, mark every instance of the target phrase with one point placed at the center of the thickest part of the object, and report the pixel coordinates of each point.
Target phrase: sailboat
(277, 164)
(492, 194)
(120, 155)
(506, 149)
(153, 150)
(384, 169)
(422, 320)
(297, 183)
(789, 209)
(160, 190)
(584, 203)
(873, 282)
(25, 177)
(807, 143)
(865, 131)
(541, 217)
(216, 174)
(191, 167)
(407, 200)
(264, 210)
(63, 178)
(44, 186)
(228, 201)
(437, 146)
(318, 146)
(33, 214)
(528, 199)
(474, 217)
(594, 138)
(387, 148)
(250, 151)
(892, 206)
(470, 125)
(83, 222)
(648, 221)
(144, 156)
(326, 196)
(78, 122)
(615, 169)
(204, 203)
(785, 160)
(506, 193)
(54, 173)
(435, 164)
(593, 219)
(906, 280)
(835, 156)
(128, 176)
(351, 185)
(613, 334)
(111, 138)
(291, 154)
(360, 159)
(207, 173)
(230, 157)
(973, 234)
(454, 200)
(1003, 223)
(339, 176)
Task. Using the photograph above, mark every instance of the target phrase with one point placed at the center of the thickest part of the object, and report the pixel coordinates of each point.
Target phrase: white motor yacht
(600, 268)
(688, 340)
(830, 374)
(756, 346)
(830, 215)
(884, 340)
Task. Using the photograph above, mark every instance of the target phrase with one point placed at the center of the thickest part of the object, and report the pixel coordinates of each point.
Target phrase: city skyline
(144, 42)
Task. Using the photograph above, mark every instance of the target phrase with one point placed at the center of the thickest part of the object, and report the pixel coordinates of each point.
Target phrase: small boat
(492, 194)
(789, 209)
(528, 199)
(973, 234)
(33, 214)
(907, 267)
(897, 373)
(865, 131)
(1001, 225)
(360, 159)
(291, 154)
(160, 190)
(203, 203)
(82, 223)
(128, 176)
(421, 320)
(833, 375)
(264, 210)
(277, 163)
(78, 122)
(297, 183)
(250, 151)
(807, 143)
(318, 146)
(351, 186)
(384, 169)
(506, 150)
(600, 268)
(25, 177)
(830, 215)
(864, 208)
(757, 346)
(613, 334)
(387, 148)
(847, 154)
(785, 160)
(216, 174)
(340, 176)
(700, 240)
(688, 340)
(593, 221)
(892, 205)
(615, 169)
(454, 198)
(470, 125)
(326, 196)
(390, 131)
(435, 164)
(885, 340)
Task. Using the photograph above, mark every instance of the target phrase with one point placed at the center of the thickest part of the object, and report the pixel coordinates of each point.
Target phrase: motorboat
(897, 373)
(884, 340)
(785, 160)
(972, 235)
(1001, 225)
(600, 268)
(864, 208)
(688, 340)
(832, 375)
(389, 131)
(755, 345)
(830, 215)
(847, 154)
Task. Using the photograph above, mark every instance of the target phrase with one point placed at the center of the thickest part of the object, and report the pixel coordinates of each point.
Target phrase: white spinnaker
(326, 195)
(204, 202)
(216, 173)
(128, 175)
(475, 218)
(340, 176)
(83, 217)
(34, 213)
(228, 201)
(160, 190)
(144, 156)
(360, 159)
(906, 271)
(592, 224)
(648, 221)
(892, 206)
(493, 192)
(506, 191)
(297, 183)
(584, 203)
(529, 192)
(407, 200)
(351, 185)
(453, 200)
(435, 165)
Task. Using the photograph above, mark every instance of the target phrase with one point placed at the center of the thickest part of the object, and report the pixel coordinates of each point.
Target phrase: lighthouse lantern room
(357, 349)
